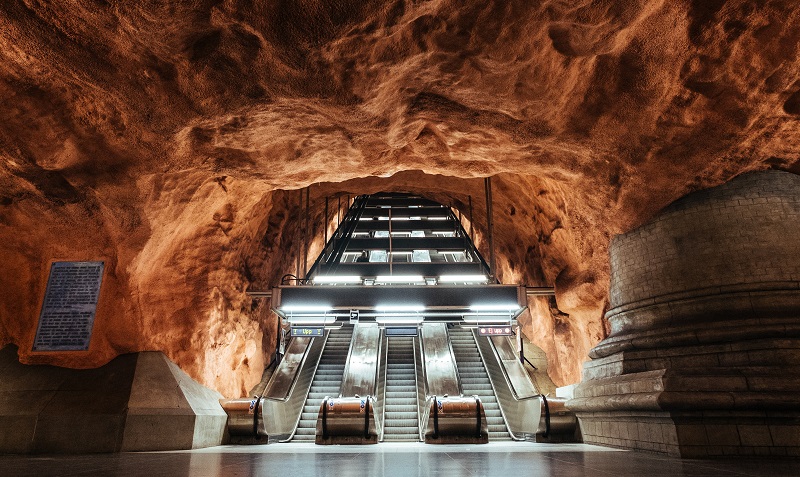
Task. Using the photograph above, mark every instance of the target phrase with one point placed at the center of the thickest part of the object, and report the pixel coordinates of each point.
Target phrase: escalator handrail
(297, 373)
(499, 363)
(349, 355)
(383, 363)
(505, 374)
(305, 398)
(424, 410)
(453, 360)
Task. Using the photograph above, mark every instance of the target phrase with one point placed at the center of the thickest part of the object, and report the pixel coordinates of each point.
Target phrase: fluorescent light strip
(463, 279)
(312, 320)
(306, 308)
(337, 279)
(398, 320)
(399, 278)
(400, 308)
(495, 307)
(501, 320)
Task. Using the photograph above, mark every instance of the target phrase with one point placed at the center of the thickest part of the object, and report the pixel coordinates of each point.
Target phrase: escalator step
(475, 381)
(327, 381)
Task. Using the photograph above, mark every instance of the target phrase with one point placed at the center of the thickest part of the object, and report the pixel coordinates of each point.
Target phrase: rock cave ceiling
(169, 139)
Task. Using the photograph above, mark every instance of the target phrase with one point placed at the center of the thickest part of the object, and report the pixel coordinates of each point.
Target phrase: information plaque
(69, 306)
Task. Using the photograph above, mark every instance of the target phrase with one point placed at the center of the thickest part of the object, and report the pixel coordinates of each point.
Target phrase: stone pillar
(704, 353)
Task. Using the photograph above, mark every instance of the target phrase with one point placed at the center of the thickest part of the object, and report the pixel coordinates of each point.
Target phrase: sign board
(401, 331)
(494, 331)
(311, 331)
(68, 309)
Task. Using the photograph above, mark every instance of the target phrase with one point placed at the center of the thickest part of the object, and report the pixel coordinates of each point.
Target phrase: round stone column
(703, 357)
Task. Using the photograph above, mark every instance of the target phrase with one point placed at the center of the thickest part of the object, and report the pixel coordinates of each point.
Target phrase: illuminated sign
(401, 331)
(308, 331)
(494, 331)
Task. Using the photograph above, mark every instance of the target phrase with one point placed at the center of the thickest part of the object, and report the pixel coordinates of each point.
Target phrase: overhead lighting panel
(495, 307)
(328, 279)
(463, 279)
(396, 320)
(399, 279)
(305, 309)
(400, 308)
(311, 320)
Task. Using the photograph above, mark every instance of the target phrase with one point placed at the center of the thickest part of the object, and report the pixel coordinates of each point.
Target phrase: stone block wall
(743, 232)
(137, 402)
(703, 358)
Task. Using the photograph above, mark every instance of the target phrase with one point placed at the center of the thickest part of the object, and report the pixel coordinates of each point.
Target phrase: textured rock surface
(157, 136)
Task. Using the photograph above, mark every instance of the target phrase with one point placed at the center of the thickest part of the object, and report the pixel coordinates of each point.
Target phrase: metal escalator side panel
(422, 387)
(380, 390)
(440, 369)
(281, 415)
(361, 371)
(284, 378)
(245, 415)
(518, 378)
(523, 416)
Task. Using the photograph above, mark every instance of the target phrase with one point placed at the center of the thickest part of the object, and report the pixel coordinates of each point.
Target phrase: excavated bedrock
(169, 139)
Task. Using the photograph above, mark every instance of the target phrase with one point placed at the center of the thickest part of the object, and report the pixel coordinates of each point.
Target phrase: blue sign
(401, 331)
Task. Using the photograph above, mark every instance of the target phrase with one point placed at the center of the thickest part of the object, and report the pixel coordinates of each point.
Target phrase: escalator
(327, 381)
(400, 422)
(422, 271)
(475, 380)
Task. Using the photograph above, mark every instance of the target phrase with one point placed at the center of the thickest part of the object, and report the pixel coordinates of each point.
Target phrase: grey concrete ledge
(698, 293)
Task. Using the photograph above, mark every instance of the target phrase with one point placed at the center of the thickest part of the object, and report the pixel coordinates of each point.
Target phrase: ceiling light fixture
(399, 279)
(463, 279)
(323, 279)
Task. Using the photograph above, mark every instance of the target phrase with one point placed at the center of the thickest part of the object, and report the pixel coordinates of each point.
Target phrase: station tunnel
(400, 331)
(502, 221)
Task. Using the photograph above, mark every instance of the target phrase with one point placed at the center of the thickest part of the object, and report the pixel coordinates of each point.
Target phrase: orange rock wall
(170, 138)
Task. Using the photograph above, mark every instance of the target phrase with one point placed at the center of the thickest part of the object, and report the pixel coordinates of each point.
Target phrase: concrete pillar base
(138, 401)
(703, 359)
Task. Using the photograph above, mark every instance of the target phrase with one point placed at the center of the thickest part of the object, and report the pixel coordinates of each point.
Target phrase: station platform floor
(392, 460)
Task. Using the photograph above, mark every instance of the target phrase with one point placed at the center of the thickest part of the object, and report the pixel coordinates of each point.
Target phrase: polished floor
(395, 460)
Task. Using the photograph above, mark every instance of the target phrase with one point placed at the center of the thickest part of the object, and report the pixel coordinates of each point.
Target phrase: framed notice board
(69, 306)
